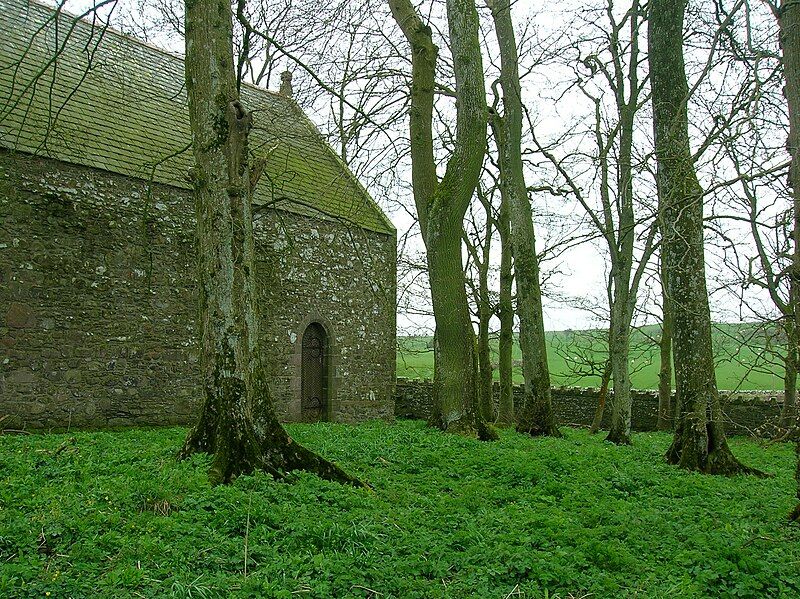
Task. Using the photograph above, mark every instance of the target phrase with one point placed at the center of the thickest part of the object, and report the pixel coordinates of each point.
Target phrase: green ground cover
(112, 514)
(745, 359)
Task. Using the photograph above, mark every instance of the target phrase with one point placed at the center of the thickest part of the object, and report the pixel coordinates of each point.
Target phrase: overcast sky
(581, 270)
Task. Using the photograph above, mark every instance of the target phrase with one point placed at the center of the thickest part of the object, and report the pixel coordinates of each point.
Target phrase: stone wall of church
(97, 302)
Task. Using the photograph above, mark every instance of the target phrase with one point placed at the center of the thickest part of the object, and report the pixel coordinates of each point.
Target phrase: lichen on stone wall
(97, 301)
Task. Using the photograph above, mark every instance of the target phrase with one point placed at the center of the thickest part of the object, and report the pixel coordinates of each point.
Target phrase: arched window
(314, 374)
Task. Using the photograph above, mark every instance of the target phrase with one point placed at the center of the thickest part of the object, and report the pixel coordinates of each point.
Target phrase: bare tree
(535, 416)
(665, 409)
(625, 222)
(478, 235)
(506, 413)
(237, 422)
(788, 14)
(699, 442)
(442, 204)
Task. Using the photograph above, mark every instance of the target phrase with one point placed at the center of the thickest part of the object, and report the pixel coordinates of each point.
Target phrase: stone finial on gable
(286, 84)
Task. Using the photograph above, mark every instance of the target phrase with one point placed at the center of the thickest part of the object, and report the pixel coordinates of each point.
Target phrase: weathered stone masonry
(342, 277)
(97, 302)
(97, 283)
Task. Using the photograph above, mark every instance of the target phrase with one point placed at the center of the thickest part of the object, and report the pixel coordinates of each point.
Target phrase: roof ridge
(108, 28)
(125, 111)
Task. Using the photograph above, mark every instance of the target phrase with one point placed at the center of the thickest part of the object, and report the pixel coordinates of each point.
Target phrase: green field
(111, 514)
(751, 366)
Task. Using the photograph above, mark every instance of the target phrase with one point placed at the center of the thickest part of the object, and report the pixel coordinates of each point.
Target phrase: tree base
(238, 451)
(482, 432)
(700, 452)
(548, 430)
(664, 425)
(536, 416)
(594, 429)
(487, 432)
(598, 415)
(619, 438)
(794, 515)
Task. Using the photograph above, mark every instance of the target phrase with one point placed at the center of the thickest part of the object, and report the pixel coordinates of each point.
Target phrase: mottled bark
(619, 355)
(485, 373)
(441, 205)
(789, 24)
(535, 415)
(788, 418)
(699, 442)
(505, 313)
(665, 412)
(237, 423)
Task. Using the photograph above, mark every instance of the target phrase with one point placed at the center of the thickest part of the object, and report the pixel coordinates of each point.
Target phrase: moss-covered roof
(92, 96)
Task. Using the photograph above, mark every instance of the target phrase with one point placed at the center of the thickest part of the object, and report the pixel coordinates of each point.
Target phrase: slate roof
(111, 102)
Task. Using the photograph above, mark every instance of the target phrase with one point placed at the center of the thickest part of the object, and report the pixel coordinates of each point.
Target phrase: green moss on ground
(113, 515)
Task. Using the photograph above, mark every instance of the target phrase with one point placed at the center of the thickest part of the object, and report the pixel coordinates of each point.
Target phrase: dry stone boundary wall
(746, 412)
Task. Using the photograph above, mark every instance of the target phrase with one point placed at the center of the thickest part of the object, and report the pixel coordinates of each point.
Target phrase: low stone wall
(745, 413)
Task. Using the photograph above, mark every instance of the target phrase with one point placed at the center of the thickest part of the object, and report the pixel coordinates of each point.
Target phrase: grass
(112, 514)
(751, 366)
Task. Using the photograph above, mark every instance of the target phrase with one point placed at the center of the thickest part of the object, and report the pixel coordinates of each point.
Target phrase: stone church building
(97, 281)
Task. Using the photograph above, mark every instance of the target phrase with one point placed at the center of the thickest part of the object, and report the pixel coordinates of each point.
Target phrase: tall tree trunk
(237, 422)
(597, 421)
(624, 298)
(485, 399)
(441, 205)
(484, 308)
(535, 416)
(788, 417)
(620, 429)
(505, 312)
(665, 415)
(699, 442)
(789, 24)
(625, 286)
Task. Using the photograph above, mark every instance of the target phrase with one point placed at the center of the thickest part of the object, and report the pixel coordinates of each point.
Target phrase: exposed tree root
(619, 438)
(482, 431)
(699, 449)
(239, 448)
(540, 430)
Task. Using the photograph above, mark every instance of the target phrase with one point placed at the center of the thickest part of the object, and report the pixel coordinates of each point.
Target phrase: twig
(369, 590)
(247, 531)
(758, 538)
(63, 446)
